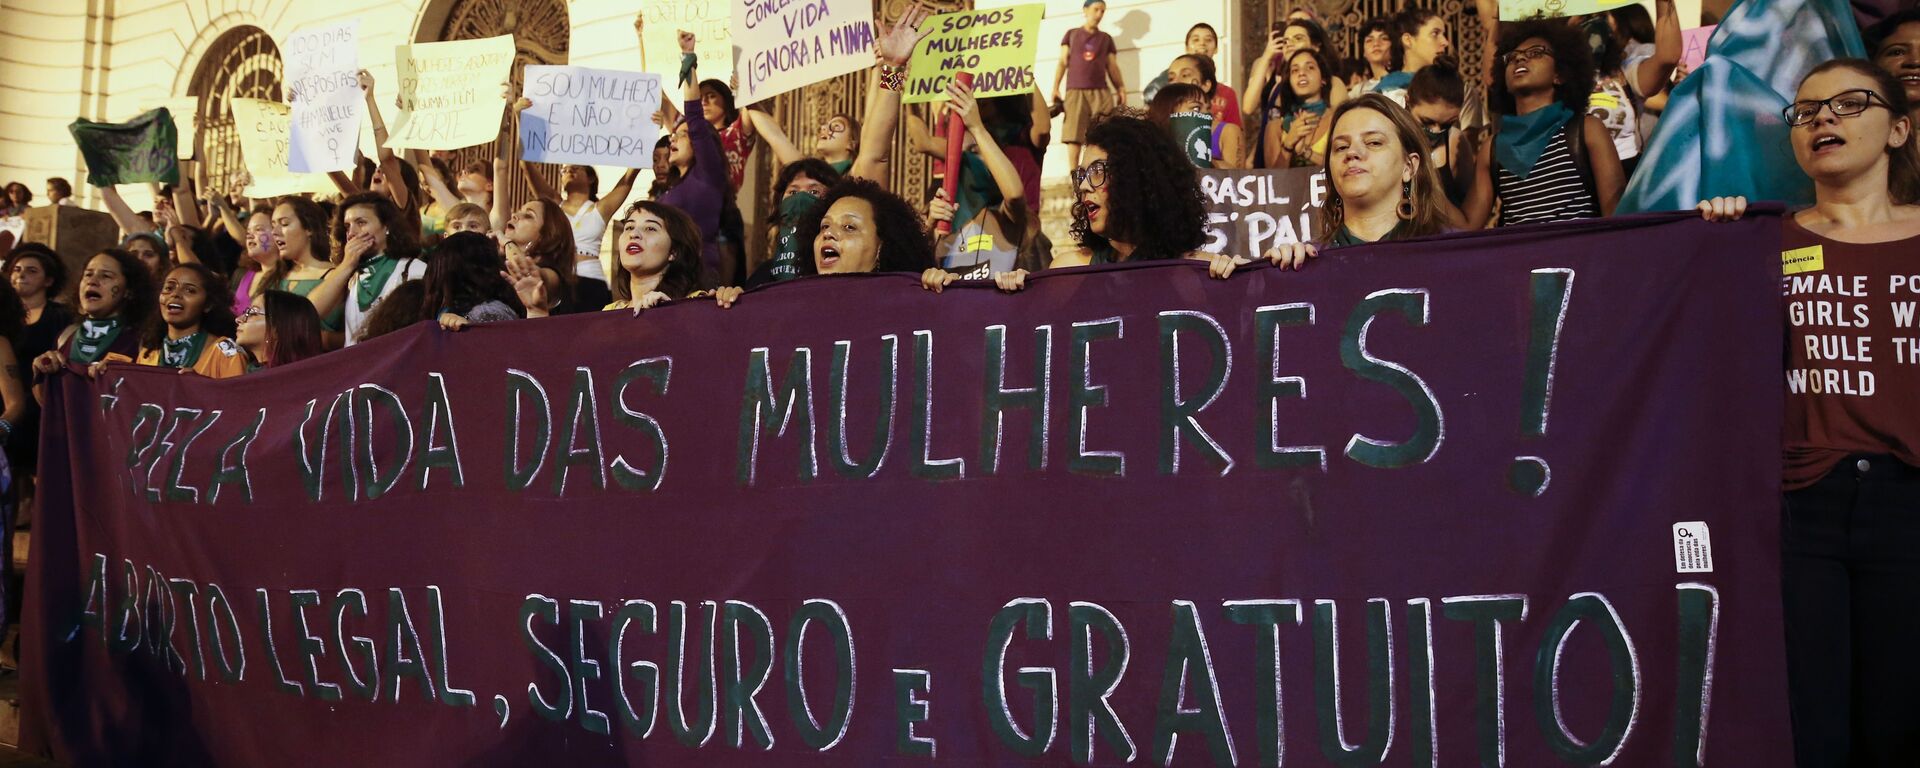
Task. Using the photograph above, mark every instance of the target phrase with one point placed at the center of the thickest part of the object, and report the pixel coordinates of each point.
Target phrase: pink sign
(1693, 46)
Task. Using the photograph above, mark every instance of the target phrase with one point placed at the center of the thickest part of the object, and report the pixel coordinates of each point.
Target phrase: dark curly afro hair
(1572, 62)
(904, 244)
(1153, 196)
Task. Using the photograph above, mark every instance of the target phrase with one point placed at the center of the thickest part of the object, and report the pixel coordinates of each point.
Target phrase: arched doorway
(539, 29)
(244, 63)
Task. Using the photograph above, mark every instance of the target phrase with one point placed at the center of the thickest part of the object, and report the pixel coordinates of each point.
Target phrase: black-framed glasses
(1094, 174)
(1842, 104)
(1528, 53)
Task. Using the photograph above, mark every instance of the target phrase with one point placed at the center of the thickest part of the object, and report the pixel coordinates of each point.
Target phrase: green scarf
(182, 353)
(374, 272)
(93, 338)
(1523, 138)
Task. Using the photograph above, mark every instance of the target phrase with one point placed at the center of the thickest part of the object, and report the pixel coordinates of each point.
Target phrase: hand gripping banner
(1482, 499)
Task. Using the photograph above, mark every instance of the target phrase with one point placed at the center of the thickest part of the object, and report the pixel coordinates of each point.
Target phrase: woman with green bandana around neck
(195, 331)
(116, 300)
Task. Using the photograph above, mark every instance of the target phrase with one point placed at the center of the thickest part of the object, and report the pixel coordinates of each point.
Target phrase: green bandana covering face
(374, 272)
(1194, 132)
(786, 245)
(183, 352)
(91, 341)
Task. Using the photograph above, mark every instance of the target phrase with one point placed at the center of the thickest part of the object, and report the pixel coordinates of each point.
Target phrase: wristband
(893, 77)
(687, 62)
(6, 428)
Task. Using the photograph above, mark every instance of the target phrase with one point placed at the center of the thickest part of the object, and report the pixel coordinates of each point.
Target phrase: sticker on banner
(1809, 259)
(1692, 548)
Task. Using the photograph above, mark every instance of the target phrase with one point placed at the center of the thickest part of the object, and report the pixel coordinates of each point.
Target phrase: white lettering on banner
(1251, 211)
(787, 44)
(590, 116)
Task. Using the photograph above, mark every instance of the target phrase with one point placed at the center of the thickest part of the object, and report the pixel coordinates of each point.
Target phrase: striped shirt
(1554, 191)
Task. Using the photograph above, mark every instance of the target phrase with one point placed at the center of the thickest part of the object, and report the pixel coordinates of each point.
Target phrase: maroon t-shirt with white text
(1087, 54)
(1853, 351)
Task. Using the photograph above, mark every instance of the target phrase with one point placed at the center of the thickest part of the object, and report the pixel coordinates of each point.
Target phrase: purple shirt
(1087, 54)
(700, 194)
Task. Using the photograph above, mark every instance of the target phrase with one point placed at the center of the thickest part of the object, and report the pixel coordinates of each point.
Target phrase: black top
(37, 339)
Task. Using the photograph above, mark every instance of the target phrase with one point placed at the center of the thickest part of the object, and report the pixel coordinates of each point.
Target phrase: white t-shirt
(588, 226)
(411, 269)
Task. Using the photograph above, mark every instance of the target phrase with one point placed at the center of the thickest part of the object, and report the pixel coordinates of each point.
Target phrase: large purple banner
(1497, 499)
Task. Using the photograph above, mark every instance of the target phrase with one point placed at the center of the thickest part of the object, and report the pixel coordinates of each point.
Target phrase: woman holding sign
(1850, 463)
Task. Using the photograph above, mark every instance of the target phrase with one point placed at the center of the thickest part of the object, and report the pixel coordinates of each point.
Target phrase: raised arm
(1005, 176)
(921, 138)
(894, 50)
(228, 219)
(185, 205)
(610, 203)
(503, 151)
(1651, 75)
(541, 189)
(784, 151)
(436, 184)
(123, 215)
(1254, 97)
(373, 115)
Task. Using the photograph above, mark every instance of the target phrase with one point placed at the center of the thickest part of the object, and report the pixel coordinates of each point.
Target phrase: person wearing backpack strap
(1547, 160)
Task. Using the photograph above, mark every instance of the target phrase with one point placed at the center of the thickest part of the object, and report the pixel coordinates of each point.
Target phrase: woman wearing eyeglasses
(1851, 449)
(1549, 159)
(1137, 199)
(279, 329)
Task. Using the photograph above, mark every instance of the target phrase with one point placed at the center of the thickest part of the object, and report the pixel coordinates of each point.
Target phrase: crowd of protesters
(217, 285)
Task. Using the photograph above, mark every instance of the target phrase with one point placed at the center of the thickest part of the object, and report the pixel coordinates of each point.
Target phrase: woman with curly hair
(1550, 160)
(659, 252)
(116, 301)
(196, 327)
(1137, 199)
(279, 329)
(463, 284)
(1380, 54)
(861, 228)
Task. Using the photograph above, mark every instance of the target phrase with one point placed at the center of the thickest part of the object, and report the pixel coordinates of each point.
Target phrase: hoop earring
(1405, 211)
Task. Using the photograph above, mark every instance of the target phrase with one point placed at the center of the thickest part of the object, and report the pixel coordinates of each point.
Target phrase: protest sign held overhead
(786, 44)
(710, 21)
(263, 128)
(998, 46)
(589, 116)
(1517, 10)
(450, 93)
(141, 149)
(322, 70)
(1251, 211)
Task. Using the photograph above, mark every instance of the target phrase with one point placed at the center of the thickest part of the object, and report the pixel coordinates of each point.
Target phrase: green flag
(141, 149)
